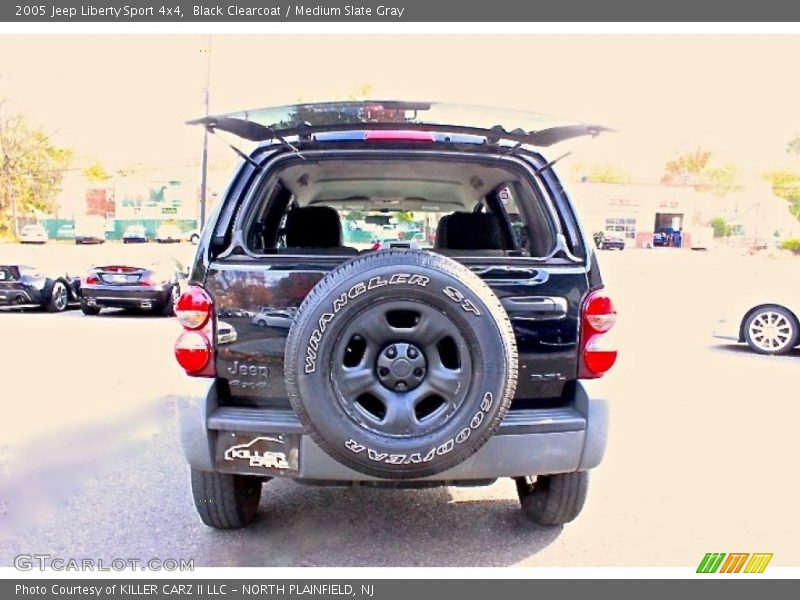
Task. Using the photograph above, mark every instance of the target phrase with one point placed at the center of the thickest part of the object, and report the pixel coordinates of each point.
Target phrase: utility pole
(204, 161)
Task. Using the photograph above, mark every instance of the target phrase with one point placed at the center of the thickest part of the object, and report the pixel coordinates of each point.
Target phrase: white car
(767, 320)
(226, 333)
(275, 318)
(168, 233)
(33, 234)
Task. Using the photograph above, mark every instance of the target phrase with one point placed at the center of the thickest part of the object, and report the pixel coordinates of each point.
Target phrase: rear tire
(168, 310)
(226, 501)
(91, 311)
(59, 298)
(553, 499)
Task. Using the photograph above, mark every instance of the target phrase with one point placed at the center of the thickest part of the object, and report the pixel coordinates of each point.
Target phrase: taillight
(91, 280)
(193, 349)
(597, 317)
(194, 308)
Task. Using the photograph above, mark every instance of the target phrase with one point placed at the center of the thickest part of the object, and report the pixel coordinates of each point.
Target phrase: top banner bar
(439, 11)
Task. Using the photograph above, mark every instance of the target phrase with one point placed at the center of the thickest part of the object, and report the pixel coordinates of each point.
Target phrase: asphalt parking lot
(701, 453)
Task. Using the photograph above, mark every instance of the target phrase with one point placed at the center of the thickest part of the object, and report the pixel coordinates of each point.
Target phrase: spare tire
(401, 364)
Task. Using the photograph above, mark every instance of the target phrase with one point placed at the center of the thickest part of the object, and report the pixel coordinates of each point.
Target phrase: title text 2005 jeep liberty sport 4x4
(452, 357)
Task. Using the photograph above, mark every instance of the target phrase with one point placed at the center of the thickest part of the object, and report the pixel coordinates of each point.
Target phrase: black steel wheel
(401, 364)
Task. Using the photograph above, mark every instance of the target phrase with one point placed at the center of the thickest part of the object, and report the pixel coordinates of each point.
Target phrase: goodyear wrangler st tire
(401, 364)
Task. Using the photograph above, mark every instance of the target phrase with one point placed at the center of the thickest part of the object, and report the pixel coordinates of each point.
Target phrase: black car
(153, 288)
(612, 243)
(454, 365)
(22, 286)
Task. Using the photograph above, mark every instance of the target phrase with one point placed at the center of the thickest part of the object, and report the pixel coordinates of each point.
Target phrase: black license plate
(254, 453)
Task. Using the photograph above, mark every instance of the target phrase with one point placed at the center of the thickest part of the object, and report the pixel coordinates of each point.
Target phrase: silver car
(274, 318)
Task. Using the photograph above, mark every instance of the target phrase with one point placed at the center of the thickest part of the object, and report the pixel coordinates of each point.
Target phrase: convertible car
(22, 286)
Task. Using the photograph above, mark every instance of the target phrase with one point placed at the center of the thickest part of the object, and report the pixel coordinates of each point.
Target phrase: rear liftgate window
(343, 208)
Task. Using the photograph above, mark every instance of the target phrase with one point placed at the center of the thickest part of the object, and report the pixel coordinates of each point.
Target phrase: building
(636, 211)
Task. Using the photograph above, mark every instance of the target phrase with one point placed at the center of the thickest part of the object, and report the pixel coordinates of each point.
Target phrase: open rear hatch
(524, 127)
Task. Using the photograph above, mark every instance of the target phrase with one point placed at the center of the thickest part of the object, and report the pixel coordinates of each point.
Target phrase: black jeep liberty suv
(396, 294)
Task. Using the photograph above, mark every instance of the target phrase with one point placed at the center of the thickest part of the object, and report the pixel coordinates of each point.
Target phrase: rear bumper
(115, 297)
(529, 442)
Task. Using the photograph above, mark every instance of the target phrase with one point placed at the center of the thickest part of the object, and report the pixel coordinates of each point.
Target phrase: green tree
(721, 227)
(354, 215)
(601, 173)
(95, 173)
(688, 163)
(404, 216)
(786, 185)
(720, 181)
(31, 169)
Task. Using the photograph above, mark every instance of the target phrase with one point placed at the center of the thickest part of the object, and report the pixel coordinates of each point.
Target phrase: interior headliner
(394, 184)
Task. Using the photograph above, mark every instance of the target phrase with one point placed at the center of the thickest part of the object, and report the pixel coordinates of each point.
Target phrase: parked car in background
(612, 243)
(153, 287)
(22, 286)
(33, 234)
(226, 333)
(168, 233)
(134, 234)
(274, 318)
(90, 230)
(767, 319)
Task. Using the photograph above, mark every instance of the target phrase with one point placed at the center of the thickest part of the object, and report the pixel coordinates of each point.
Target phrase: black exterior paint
(21, 290)
(250, 369)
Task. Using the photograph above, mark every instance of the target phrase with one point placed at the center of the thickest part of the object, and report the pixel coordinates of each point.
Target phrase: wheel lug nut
(412, 353)
(383, 371)
(391, 352)
(401, 386)
(418, 372)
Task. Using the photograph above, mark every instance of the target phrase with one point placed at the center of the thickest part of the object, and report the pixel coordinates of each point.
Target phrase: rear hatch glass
(304, 119)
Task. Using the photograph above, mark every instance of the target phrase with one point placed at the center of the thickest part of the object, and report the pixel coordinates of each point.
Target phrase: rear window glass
(399, 204)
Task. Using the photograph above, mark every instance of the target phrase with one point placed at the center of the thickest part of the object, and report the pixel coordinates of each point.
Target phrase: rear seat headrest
(469, 231)
(313, 227)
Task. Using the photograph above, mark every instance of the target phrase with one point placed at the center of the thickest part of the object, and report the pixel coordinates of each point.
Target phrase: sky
(123, 99)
